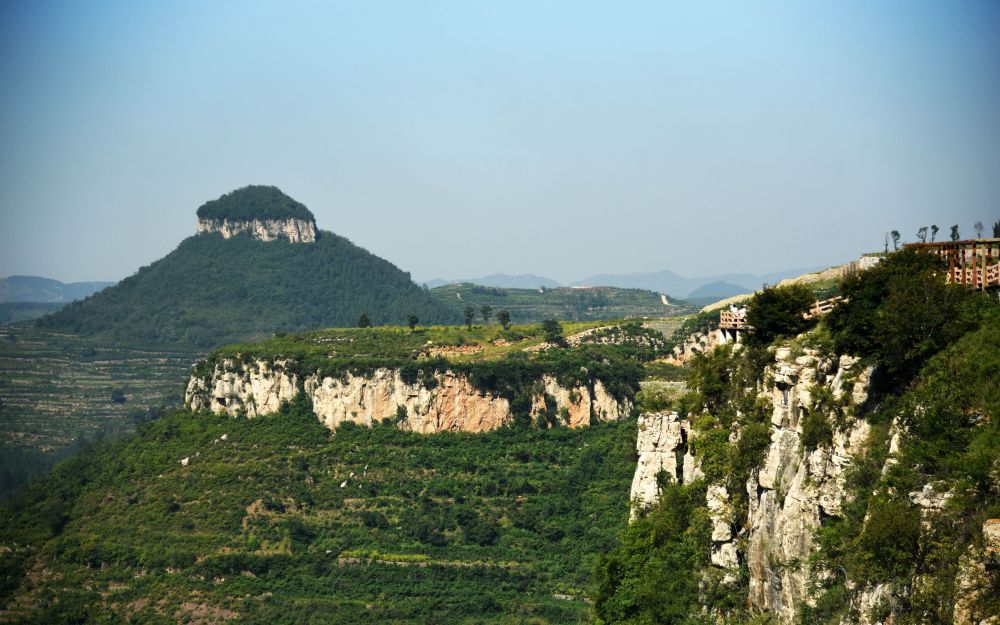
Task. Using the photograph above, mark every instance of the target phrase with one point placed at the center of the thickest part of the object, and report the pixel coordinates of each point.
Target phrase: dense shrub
(900, 313)
(654, 576)
(776, 311)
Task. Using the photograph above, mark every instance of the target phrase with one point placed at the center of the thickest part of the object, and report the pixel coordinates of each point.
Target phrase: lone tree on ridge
(503, 317)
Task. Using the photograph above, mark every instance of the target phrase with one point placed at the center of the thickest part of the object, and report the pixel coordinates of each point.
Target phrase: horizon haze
(559, 140)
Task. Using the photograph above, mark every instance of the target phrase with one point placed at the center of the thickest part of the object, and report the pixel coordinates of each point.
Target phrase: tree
(504, 318)
(553, 332)
(777, 311)
(978, 227)
(412, 320)
(470, 313)
(901, 313)
(364, 321)
(954, 233)
(996, 230)
(934, 231)
(922, 234)
(117, 396)
(487, 312)
(895, 240)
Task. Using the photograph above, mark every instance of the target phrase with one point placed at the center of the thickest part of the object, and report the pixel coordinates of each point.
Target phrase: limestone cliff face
(450, 403)
(256, 389)
(294, 230)
(791, 493)
(796, 487)
(661, 446)
(445, 401)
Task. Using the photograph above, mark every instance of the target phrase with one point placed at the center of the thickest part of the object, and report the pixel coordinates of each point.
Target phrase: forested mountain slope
(212, 290)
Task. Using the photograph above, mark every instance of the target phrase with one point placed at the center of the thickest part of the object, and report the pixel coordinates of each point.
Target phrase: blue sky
(466, 138)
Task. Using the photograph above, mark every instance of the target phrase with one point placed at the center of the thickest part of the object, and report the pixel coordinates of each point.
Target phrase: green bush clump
(777, 311)
(900, 313)
(254, 202)
(653, 577)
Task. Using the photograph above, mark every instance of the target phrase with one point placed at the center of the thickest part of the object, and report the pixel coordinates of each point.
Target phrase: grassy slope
(124, 529)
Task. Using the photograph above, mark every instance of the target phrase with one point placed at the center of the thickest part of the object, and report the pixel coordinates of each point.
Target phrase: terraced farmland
(571, 304)
(58, 390)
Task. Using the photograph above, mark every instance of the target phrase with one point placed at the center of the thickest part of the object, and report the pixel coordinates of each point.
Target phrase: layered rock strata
(445, 401)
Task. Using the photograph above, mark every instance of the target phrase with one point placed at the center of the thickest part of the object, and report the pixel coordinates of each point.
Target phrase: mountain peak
(261, 211)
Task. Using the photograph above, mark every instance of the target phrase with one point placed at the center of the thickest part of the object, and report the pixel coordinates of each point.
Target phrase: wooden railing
(974, 263)
(729, 320)
(822, 307)
(979, 277)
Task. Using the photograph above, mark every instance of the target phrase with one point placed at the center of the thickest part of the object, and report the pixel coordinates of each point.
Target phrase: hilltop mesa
(251, 282)
(262, 211)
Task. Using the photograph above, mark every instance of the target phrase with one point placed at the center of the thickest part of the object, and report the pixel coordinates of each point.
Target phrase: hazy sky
(465, 138)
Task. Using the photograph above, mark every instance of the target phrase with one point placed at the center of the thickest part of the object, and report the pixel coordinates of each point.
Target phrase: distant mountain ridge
(502, 281)
(37, 289)
(665, 281)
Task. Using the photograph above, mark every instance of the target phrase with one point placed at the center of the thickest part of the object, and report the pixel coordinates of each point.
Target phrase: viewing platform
(973, 262)
(731, 322)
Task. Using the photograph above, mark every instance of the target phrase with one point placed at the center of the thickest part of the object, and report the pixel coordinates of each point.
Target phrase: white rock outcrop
(662, 446)
(294, 230)
(795, 488)
(254, 389)
(445, 401)
(974, 579)
(790, 494)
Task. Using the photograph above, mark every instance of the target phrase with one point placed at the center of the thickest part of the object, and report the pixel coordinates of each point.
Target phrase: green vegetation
(776, 311)
(569, 304)
(268, 526)
(254, 202)
(55, 394)
(936, 353)
(900, 313)
(654, 576)
(951, 440)
(211, 290)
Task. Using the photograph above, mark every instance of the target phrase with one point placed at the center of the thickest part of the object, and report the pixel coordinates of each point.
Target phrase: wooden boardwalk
(728, 320)
(973, 262)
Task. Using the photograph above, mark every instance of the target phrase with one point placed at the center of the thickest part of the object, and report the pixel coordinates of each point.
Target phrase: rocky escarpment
(697, 343)
(798, 487)
(293, 230)
(790, 494)
(445, 400)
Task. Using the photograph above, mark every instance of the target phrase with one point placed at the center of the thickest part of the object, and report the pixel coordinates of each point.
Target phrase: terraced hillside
(276, 520)
(573, 304)
(56, 390)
